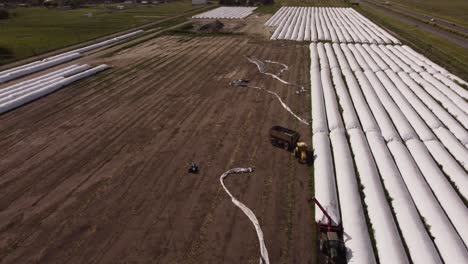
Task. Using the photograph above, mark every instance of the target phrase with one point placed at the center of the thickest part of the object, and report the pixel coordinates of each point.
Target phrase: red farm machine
(331, 245)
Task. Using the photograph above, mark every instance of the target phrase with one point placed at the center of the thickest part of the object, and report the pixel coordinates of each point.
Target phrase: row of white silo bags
(16, 90)
(421, 115)
(446, 90)
(274, 20)
(103, 43)
(435, 66)
(423, 130)
(352, 212)
(386, 231)
(228, 12)
(388, 38)
(46, 86)
(446, 238)
(455, 92)
(399, 66)
(326, 24)
(325, 191)
(439, 185)
(37, 78)
(36, 66)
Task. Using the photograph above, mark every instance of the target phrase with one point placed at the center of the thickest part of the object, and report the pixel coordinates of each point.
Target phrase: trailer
(284, 138)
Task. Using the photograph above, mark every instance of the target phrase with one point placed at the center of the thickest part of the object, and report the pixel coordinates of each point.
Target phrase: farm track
(96, 172)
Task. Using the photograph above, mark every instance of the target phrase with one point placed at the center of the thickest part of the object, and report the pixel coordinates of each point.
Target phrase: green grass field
(36, 30)
(441, 51)
(455, 11)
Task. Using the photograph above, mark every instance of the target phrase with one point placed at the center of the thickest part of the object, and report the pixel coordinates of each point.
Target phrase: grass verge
(451, 56)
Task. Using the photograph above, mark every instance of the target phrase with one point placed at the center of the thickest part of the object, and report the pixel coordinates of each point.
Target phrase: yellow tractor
(301, 152)
(289, 140)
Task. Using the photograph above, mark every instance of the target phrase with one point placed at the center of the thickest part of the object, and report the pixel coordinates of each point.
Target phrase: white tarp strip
(263, 250)
(284, 105)
(261, 68)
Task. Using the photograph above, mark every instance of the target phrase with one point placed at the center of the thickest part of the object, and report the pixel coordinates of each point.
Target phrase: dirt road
(97, 172)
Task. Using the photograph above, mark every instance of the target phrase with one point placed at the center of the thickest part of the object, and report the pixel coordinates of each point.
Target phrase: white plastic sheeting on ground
(283, 104)
(326, 24)
(263, 250)
(32, 93)
(228, 12)
(261, 67)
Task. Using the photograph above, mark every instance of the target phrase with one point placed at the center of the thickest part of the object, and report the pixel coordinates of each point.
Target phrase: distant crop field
(455, 11)
(36, 30)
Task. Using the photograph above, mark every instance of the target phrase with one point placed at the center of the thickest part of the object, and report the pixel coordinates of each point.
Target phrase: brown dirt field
(97, 171)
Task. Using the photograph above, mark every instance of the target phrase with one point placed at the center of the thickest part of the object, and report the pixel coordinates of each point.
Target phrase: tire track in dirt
(127, 183)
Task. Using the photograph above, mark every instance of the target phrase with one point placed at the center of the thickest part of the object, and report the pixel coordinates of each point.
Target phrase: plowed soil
(97, 172)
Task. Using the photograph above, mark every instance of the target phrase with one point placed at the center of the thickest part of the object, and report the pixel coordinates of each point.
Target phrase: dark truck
(283, 137)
